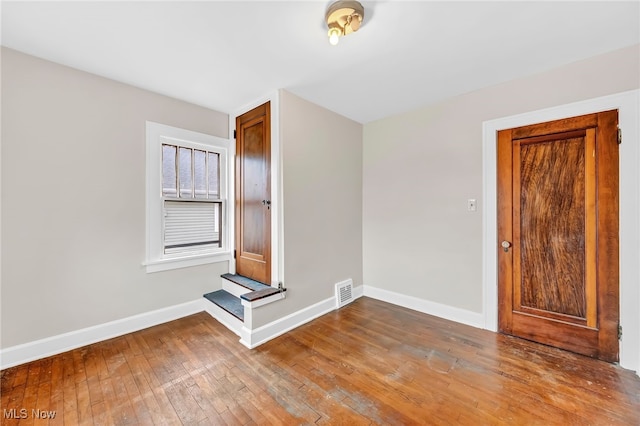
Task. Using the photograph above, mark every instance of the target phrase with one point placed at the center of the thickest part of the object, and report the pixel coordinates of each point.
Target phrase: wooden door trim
(548, 128)
(590, 226)
(505, 229)
(608, 270)
(628, 105)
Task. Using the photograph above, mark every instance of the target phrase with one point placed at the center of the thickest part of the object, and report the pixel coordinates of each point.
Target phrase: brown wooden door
(558, 216)
(253, 194)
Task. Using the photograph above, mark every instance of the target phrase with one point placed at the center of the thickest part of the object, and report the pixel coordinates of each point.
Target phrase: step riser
(233, 288)
(224, 317)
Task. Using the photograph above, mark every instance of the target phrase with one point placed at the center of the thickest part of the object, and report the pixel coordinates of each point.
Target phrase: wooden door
(558, 267)
(253, 194)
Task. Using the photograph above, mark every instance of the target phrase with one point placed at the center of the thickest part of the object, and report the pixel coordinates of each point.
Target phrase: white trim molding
(155, 257)
(628, 106)
(451, 313)
(357, 292)
(20, 354)
(254, 338)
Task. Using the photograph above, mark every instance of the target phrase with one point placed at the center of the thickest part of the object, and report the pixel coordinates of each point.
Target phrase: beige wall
(421, 167)
(322, 186)
(383, 204)
(73, 200)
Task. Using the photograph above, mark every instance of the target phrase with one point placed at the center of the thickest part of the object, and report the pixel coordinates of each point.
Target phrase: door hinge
(234, 254)
(234, 134)
(619, 332)
(619, 135)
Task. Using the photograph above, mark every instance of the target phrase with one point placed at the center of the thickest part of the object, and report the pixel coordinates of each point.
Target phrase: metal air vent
(344, 293)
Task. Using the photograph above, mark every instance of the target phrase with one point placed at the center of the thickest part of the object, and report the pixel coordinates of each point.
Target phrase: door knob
(505, 245)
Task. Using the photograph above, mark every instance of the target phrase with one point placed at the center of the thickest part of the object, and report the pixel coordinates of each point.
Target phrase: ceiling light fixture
(343, 17)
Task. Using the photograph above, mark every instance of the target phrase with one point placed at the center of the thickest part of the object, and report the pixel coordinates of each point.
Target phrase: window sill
(185, 262)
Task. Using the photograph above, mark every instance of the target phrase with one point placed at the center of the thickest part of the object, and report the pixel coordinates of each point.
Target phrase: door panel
(253, 194)
(558, 278)
(552, 217)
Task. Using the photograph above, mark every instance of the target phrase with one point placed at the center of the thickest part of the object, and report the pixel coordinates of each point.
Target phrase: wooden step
(261, 294)
(228, 302)
(253, 290)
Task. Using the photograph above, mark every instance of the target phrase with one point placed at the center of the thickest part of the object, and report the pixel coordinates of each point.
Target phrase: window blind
(191, 225)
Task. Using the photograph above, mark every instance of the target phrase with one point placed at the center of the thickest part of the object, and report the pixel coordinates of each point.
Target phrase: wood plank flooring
(367, 363)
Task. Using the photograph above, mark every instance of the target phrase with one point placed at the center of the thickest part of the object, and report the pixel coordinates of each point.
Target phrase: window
(191, 199)
(186, 198)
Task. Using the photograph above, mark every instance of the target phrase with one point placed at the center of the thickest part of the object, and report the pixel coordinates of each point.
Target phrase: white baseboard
(254, 338)
(358, 292)
(42, 348)
(20, 354)
(463, 316)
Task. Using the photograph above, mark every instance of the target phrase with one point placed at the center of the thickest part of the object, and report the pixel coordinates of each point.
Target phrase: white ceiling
(407, 54)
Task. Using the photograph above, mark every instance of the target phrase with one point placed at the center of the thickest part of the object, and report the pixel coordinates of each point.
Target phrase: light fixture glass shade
(334, 36)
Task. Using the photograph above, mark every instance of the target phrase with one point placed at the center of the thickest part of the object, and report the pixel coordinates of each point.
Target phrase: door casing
(627, 104)
(277, 237)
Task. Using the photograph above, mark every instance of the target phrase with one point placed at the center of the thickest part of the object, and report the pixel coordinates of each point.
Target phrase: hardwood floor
(367, 363)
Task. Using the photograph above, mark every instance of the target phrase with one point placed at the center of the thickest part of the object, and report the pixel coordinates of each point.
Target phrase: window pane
(169, 171)
(200, 173)
(214, 175)
(186, 184)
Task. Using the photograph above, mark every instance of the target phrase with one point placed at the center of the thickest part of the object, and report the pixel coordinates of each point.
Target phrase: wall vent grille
(344, 293)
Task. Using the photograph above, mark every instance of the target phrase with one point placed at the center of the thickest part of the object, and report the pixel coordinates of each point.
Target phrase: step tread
(228, 302)
(260, 294)
(246, 282)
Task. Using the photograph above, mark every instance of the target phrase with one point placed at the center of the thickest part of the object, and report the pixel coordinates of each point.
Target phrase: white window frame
(157, 135)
